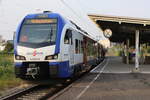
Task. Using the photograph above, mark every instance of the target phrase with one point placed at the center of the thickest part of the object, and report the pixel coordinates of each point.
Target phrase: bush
(6, 72)
(148, 50)
(6, 65)
(9, 47)
(7, 76)
(6, 60)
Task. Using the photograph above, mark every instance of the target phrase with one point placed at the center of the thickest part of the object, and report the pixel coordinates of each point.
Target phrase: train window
(81, 46)
(68, 37)
(71, 39)
(37, 35)
(77, 46)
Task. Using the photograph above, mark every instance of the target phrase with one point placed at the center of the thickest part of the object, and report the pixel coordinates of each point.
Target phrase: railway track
(35, 92)
(16, 93)
(38, 92)
(41, 92)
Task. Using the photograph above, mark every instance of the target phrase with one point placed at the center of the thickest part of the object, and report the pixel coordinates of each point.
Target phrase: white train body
(63, 58)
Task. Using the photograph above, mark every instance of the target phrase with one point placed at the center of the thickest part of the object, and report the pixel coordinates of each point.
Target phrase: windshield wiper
(51, 34)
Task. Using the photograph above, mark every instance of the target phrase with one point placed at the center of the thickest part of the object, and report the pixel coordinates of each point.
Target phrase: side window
(76, 46)
(81, 46)
(68, 37)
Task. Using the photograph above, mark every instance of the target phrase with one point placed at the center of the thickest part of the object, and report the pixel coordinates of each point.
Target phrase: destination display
(40, 21)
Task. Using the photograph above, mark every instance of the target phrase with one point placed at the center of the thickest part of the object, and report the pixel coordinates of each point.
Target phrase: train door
(71, 49)
(69, 40)
(85, 50)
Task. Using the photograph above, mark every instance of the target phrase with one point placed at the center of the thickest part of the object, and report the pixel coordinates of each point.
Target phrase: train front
(37, 45)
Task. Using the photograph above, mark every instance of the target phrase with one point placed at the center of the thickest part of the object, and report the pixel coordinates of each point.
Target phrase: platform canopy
(123, 28)
(127, 30)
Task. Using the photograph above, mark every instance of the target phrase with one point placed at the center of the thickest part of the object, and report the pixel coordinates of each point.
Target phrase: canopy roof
(123, 28)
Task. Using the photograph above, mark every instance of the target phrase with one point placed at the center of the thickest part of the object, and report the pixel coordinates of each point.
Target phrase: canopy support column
(137, 33)
(128, 43)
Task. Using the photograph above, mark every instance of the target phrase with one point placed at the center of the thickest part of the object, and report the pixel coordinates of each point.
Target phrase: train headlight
(55, 56)
(51, 57)
(18, 57)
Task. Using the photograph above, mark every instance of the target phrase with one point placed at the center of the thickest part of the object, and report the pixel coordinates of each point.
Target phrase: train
(48, 45)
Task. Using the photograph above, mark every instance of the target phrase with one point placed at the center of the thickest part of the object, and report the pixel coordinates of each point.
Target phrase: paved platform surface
(111, 80)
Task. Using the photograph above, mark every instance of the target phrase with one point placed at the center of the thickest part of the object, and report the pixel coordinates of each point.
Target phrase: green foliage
(6, 60)
(7, 76)
(148, 50)
(6, 65)
(5, 72)
(9, 47)
(116, 50)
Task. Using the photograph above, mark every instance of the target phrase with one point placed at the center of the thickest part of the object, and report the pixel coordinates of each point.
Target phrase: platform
(111, 80)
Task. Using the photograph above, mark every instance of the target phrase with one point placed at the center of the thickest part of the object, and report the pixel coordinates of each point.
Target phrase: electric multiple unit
(48, 45)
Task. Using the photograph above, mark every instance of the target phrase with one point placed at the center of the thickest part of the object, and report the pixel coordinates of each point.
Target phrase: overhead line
(73, 11)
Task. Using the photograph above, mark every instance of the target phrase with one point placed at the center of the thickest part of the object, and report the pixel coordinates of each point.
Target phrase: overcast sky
(12, 11)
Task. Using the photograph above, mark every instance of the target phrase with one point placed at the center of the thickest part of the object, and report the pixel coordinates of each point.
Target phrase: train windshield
(38, 32)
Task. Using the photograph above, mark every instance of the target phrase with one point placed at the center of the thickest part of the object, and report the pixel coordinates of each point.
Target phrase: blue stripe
(17, 37)
(18, 64)
(64, 70)
(61, 24)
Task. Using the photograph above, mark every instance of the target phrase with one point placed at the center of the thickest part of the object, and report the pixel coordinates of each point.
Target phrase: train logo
(34, 53)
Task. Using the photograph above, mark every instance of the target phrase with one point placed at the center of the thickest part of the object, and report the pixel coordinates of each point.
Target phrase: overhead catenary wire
(84, 4)
(72, 10)
(78, 15)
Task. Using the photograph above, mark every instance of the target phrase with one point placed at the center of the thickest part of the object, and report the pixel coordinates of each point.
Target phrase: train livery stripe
(17, 37)
(60, 26)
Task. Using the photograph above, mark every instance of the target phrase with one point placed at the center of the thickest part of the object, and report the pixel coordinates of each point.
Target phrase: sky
(13, 11)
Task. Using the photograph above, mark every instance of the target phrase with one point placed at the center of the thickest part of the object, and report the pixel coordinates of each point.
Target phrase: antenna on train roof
(47, 11)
